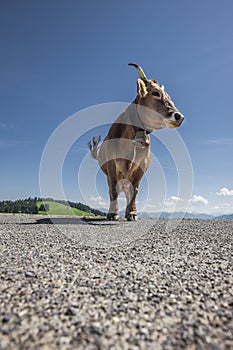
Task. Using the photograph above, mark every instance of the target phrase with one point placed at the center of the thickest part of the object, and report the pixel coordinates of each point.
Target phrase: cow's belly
(120, 159)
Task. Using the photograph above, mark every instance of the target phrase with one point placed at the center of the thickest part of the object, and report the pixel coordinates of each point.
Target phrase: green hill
(61, 209)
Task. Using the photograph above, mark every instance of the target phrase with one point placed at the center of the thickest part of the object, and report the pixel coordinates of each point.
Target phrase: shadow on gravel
(69, 221)
(98, 221)
(58, 221)
(54, 221)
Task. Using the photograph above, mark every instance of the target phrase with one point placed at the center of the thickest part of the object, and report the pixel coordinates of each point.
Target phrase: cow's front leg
(113, 213)
(131, 209)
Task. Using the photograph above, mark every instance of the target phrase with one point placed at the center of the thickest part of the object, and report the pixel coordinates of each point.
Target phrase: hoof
(131, 217)
(113, 217)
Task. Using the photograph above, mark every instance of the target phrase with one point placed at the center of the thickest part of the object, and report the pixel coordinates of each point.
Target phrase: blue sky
(59, 57)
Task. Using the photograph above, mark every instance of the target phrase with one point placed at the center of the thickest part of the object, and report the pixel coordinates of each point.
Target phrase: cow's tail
(94, 146)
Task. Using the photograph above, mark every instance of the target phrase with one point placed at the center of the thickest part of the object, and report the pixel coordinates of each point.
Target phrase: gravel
(68, 283)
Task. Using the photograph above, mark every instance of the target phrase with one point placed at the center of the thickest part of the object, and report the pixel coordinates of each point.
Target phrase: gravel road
(92, 284)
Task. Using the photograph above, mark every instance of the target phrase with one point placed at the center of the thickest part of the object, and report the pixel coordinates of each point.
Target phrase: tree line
(29, 206)
(25, 206)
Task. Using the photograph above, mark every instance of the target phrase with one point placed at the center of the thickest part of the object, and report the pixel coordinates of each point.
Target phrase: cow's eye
(156, 93)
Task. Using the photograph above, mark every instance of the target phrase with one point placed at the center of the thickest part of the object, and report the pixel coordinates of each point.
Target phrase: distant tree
(35, 209)
(16, 208)
(44, 207)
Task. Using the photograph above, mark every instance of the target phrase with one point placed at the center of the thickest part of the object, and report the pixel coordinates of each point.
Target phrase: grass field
(61, 209)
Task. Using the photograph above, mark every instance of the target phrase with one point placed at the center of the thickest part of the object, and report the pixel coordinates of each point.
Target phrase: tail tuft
(94, 146)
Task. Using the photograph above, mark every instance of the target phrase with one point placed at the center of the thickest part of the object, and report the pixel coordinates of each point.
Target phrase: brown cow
(119, 156)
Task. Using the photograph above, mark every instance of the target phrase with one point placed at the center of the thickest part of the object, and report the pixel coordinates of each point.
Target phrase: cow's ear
(142, 90)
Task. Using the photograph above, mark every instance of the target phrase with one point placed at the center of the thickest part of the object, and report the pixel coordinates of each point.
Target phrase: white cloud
(6, 126)
(172, 201)
(99, 202)
(153, 207)
(8, 143)
(198, 200)
(225, 192)
(221, 141)
(175, 199)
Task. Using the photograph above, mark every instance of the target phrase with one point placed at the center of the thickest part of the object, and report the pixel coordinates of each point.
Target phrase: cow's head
(155, 107)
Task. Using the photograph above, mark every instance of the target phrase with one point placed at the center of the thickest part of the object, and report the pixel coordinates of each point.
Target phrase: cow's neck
(127, 124)
(135, 119)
